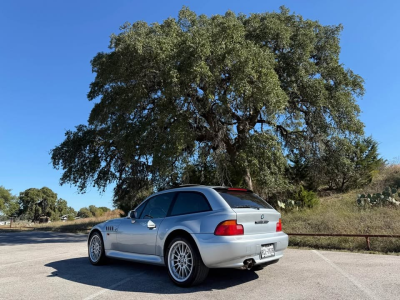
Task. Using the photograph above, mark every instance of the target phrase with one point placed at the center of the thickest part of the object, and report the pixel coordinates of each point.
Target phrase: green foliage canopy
(351, 163)
(5, 196)
(84, 212)
(95, 211)
(233, 92)
(38, 202)
(341, 164)
(92, 211)
(8, 203)
(71, 211)
(61, 207)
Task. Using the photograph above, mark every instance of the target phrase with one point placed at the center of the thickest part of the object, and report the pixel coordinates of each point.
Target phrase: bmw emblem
(262, 216)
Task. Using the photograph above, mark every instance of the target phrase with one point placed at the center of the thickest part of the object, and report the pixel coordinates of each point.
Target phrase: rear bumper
(231, 251)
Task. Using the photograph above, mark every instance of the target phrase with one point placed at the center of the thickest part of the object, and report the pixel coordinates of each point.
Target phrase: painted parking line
(111, 287)
(362, 288)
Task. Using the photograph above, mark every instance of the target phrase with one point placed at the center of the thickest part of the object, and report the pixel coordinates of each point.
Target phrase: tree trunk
(247, 179)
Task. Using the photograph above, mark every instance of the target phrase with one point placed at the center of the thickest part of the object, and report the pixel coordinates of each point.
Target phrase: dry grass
(340, 214)
(76, 226)
(388, 176)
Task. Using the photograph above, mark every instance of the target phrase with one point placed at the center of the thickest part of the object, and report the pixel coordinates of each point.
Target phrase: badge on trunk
(261, 222)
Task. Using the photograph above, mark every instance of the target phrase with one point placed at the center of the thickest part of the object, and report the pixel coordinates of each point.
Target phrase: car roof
(190, 187)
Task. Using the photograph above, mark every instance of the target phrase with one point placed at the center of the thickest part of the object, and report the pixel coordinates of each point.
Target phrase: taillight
(279, 225)
(229, 227)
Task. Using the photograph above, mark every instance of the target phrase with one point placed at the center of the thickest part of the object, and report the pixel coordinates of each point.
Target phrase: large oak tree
(36, 203)
(234, 93)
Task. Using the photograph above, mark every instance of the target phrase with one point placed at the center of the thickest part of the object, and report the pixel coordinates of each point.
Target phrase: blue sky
(45, 72)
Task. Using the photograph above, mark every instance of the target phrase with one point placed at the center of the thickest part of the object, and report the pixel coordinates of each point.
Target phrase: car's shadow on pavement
(134, 277)
(39, 237)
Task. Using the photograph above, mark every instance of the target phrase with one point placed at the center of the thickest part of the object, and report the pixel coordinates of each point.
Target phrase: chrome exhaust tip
(248, 263)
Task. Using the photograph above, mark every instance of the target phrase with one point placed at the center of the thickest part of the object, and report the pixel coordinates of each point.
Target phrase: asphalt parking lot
(44, 265)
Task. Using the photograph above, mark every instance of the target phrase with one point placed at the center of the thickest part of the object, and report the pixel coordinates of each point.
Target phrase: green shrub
(308, 199)
(301, 199)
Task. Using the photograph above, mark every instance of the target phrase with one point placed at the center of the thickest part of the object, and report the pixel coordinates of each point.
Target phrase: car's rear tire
(96, 251)
(184, 263)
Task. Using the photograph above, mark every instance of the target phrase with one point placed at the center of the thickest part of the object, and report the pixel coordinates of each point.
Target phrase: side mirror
(132, 216)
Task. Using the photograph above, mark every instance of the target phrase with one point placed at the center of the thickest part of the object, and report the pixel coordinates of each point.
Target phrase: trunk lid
(257, 221)
(253, 212)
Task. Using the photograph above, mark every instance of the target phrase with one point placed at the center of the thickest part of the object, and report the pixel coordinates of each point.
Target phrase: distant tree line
(92, 211)
(34, 203)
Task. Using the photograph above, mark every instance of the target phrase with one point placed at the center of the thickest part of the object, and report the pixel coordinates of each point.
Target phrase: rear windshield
(237, 199)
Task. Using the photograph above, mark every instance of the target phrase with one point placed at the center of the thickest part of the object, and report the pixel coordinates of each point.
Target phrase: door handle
(151, 225)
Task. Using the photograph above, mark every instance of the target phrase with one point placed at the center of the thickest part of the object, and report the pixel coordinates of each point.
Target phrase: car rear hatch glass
(253, 212)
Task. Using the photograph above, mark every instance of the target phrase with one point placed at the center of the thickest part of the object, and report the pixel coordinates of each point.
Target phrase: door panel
(137, 237)
(141, 236)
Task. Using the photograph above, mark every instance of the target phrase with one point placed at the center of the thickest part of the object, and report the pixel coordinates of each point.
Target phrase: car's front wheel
(185, 266)
(96, 249)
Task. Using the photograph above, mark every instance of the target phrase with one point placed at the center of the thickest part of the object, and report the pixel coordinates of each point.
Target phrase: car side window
(157, 207)
(188, 203)
(139, 209)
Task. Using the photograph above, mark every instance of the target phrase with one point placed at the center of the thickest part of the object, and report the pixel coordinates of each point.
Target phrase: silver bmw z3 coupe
(191, 229)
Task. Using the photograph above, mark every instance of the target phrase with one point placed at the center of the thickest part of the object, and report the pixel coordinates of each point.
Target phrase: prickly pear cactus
(389, 196)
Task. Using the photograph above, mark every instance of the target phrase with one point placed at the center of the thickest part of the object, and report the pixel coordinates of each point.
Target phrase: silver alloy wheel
(180, 261)
(95, 248)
